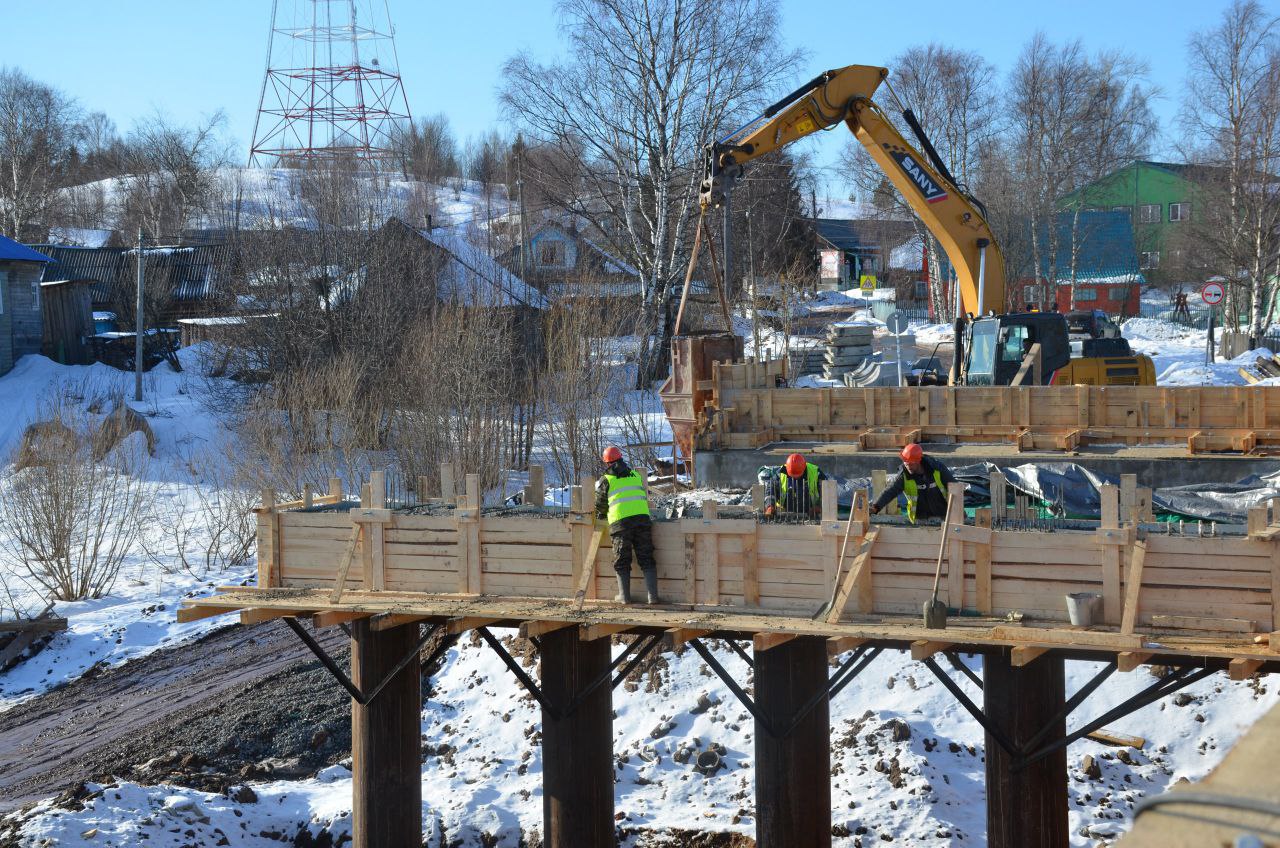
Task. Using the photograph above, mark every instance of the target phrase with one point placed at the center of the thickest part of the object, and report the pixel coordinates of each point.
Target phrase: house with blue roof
(1096, 254)
(21, 323)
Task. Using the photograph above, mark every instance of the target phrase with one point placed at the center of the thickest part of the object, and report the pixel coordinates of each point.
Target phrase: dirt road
(241, 702)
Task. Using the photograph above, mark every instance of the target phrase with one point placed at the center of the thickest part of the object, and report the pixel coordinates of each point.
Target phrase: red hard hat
(795, 465)
(611, 454)
(912, 453)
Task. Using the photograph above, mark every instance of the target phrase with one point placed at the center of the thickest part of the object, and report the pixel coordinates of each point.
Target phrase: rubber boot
(624, 587)
(651, 586)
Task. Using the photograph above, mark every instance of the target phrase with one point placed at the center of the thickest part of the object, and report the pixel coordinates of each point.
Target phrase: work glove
(770, 511)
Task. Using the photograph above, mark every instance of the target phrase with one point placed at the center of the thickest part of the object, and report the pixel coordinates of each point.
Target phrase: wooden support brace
(1242, 668)
(841, 644)
(591, 632)
(922, 649)
(859, 578)
(390, 620)
(1025, 654)
(330, 618)
(534, 629)
(344, 564)
(254, 616)
(1129, 660)
(456, 626)
(196, 612)
(677, 636)
(588, 570)
(1133, 586)
(765, 641)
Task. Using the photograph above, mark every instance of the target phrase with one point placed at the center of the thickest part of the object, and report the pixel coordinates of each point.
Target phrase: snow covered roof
(79, 237)
(475, 279)
(11, 251)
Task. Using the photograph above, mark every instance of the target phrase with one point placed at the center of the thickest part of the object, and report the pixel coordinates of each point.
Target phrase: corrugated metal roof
(12, 251)
(475, 279)
(191, 273)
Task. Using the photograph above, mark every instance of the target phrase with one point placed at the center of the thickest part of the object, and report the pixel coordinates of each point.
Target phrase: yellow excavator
(992, 347)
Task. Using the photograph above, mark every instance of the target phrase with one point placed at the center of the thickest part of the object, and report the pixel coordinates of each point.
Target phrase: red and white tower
(332, 89)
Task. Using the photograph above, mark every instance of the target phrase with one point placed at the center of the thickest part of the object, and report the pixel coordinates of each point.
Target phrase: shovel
(935, 611)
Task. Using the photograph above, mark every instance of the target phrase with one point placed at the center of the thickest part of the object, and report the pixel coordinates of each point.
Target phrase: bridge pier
(1027, 806)
(793, 770)
(577, 744)
(386, 739)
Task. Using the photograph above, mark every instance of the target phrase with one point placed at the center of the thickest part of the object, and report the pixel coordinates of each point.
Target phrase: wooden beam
(388, 620)
(1195, 622)
(840, 644)
(455, 626)
(195, 612)
(1087, 638)
(859, 575)
(534, 629)
(344, 564)
(765, 641)
(1242, 668)
(677, 636)
(255, 616)
(588, 572)
(922, 649)
(591, 632)
(1025, 654)
(1129, 660)
(1133, 586)
(329, 618)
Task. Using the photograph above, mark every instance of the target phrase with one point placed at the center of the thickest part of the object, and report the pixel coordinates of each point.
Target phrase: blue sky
(188, 58)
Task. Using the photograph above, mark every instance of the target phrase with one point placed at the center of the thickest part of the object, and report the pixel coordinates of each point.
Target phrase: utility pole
(138, 324)
(728, 247)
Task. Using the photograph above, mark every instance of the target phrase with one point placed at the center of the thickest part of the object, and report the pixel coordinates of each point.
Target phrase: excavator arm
(845, 95)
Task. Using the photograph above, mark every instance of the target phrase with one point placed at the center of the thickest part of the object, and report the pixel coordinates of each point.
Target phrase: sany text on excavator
(992, 347)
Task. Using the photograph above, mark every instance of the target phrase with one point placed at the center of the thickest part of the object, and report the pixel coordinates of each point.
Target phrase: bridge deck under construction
(726, 573)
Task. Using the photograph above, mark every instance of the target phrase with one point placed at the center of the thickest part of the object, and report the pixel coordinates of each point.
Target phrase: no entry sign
(1212, 293)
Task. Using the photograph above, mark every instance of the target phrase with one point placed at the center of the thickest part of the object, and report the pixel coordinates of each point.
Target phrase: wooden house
(21, 328)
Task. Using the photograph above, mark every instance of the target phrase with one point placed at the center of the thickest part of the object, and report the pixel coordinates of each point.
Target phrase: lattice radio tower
(332, 89)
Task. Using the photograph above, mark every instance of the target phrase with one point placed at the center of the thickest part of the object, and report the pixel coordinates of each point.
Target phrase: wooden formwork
(776, 574)
(747, 411)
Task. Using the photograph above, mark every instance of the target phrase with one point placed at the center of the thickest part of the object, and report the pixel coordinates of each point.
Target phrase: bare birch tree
(645, 86)
(36, 129)
(1232, 118)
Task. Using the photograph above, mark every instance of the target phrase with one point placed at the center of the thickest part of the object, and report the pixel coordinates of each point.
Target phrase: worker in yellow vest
(620, 497)
(792, 488)
(923, 480)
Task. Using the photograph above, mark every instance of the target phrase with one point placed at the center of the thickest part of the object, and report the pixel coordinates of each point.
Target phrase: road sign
(896, 322)
(1212, 293)
(868, 282)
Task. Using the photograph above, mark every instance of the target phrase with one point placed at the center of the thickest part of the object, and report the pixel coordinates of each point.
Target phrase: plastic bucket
(1084, 608)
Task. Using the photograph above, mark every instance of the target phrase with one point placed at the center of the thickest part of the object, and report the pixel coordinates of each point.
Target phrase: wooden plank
(1110, 737)
(750, 568)
(344, 564)
(448, 483)
(982, 579)
(1129, 660)
(1242, 668)
(1133, 586)
(16, 646)
(1194, 622)
(674, 637)
(587, 570)
(1025, 654)
(377, 548)
(1275, 585)
(922, 649)
(1084, 638)
(841, 644)
(690, 569)
(858, 577)
(195, 612)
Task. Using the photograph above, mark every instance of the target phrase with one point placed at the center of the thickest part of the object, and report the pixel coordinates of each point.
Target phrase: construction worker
(620, 497)
(792, 488)
(924, 481)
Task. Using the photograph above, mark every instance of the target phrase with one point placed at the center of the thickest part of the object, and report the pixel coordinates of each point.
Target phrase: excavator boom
(844, 95)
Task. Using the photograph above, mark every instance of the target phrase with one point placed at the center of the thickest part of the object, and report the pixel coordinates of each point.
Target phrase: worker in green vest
(923, 480)
(621, 498)
(792, 488)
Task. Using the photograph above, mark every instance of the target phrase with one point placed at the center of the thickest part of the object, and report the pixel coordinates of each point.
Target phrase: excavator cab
(997, 346)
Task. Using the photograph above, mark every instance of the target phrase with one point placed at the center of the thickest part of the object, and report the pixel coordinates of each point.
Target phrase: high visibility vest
(811, 475)
(626, 496)
(912, 491)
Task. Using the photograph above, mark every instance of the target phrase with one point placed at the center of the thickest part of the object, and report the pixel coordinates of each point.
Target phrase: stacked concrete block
(848, 347)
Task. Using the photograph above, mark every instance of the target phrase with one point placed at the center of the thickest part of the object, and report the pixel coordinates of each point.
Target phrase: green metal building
(1159, 197)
